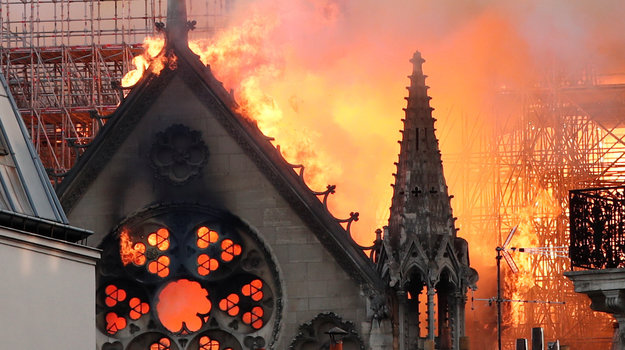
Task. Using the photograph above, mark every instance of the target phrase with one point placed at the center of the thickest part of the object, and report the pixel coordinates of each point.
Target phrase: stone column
(431, 320)
(455, 319)
(444, 324)
(402, 322)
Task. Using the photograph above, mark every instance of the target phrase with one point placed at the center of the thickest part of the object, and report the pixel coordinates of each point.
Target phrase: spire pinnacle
(421, 204)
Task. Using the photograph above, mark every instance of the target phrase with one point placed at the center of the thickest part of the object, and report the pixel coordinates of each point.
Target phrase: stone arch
(448, 295)
(415, 309)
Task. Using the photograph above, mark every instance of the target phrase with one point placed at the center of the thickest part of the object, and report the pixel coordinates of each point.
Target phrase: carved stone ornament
(312, 335)
(178, 154)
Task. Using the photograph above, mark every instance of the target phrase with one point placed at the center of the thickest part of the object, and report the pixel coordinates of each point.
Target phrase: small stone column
(403, 329)
(431, 320)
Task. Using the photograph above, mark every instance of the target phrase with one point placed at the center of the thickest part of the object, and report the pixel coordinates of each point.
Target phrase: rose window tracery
(185, 277)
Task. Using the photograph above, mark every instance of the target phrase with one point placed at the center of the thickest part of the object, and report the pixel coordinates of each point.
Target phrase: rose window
(185, 277)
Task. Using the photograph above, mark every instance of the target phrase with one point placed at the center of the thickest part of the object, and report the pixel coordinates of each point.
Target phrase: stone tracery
(184, 271)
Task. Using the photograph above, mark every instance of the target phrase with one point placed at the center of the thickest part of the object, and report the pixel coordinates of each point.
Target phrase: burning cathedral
(210, 240)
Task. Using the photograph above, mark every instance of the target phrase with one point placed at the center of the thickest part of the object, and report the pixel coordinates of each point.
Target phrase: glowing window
(113, 295)
(206, 237)
(206, 264)
(183, 306)
(162, 344)
(114, 323)
(253, 290)
(254, 317)
(230, 250)
(159, 239)
(137, 308)
(230, 305)
(207, 343)
(160, 266)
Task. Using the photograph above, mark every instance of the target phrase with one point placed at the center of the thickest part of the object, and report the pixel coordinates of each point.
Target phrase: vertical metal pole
(498, 297)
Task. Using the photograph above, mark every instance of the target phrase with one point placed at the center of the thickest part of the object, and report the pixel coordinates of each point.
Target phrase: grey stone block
(297, 304)
(317, 288)
(294, 271)
(292, 235)
(320, 271)
(228, 145)
(278, 217)
(305, 253)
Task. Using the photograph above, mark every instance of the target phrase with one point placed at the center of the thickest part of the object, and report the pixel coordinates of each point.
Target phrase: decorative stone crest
(178, 154)
(312, 335)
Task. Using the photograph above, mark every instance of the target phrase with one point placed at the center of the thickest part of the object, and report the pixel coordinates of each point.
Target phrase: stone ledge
(597, 280)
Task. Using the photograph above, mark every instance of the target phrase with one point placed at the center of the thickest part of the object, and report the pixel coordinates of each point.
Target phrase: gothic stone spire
(421, 204)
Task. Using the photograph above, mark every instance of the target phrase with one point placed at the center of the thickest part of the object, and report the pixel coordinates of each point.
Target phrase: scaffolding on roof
(63, 61)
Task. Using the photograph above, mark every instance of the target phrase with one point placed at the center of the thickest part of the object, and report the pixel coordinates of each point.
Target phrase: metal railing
(597, 219)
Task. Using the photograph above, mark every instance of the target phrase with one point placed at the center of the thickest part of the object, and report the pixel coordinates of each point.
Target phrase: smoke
(333, 75)
(336, 69)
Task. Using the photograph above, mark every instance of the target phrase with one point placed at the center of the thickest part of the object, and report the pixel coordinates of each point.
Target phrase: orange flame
(544, 207)
(240, 60)
(128, 251)
(153, 46)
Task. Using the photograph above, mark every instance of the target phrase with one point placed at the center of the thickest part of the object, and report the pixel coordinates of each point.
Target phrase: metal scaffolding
(570, 135)
(63, 61)
(562, 134)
